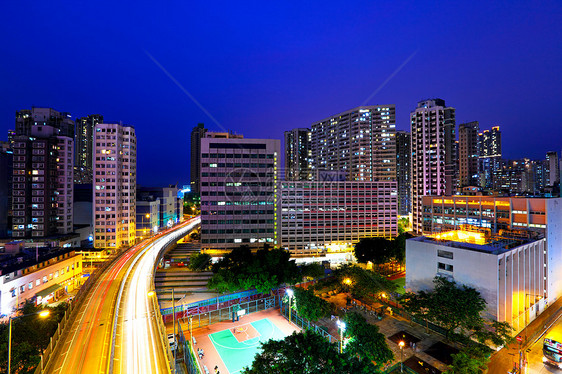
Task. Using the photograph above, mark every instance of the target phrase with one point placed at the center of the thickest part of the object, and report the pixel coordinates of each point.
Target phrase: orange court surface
(232, 346)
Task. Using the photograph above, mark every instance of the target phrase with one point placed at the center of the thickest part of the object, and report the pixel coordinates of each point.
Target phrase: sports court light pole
(289, 293)
(401, 345)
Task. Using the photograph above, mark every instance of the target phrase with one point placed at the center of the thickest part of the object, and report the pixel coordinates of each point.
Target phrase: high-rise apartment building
(359, 142)
(433, 162)
(115, 184)
(403, 171)
(489, 157)
(298, 155)
(553, 164)
(197, 134)
(42, 186)
(468, 154)
(83, 140)
(27, 119)
(239, 192)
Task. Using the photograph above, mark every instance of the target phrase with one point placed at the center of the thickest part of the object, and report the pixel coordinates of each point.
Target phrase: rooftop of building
(481, 240)
(29, 257)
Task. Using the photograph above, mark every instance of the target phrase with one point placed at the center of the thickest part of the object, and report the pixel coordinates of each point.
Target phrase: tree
(313, 271)
(361, 282)
(30, 335)
(458, 309)
(376, 250)
(199, 261)
(471, 360)
(366, 340)
(310, 306)
(306, 353)
(243, 270)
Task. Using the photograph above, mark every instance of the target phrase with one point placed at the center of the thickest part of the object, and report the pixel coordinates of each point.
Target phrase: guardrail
(68, 314)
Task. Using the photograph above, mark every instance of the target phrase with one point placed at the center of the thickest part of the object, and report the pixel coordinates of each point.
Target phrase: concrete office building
(509, 271)
(403, 171)
(333, 216)
(359, 142)
(167, 214)
(83, 141)
(298, 155)
(6, 174)
(540, 215)
(433, 163)
(42, 185)
(115, 184)
(199, 132)
(468, 154)
(239, 192)
(27, 119)
(148, 216)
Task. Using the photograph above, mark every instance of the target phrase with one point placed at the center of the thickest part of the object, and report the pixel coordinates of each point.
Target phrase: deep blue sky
(264, 67)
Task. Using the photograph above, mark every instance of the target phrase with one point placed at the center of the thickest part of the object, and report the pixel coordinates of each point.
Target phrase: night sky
(260, 68)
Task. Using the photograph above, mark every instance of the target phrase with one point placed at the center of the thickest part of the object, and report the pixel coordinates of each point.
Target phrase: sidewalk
(502, 361)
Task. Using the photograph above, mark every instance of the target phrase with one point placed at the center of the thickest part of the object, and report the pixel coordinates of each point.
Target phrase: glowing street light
(401, 345)
(289, 293)
(341, 325)
(348, 281)
(43, 314)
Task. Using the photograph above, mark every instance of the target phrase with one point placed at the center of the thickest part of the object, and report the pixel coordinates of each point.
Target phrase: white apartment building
(115, 183)
(333, 216)
(239, 192)
(433, 161)
(54, 274)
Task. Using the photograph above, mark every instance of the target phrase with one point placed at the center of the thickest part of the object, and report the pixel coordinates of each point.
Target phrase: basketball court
(232, 345)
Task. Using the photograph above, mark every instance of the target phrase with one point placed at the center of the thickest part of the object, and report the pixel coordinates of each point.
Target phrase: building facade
(27, 119)
(540, 215)
(553, 164)
(433, 164)
(54, 273)
(115, 184)
(42, 193)
(508, 272)
(468, 154)
(359, 142)
(298, 155)
(83, 141)
(239, 192)
(167, 214)
(197, 134)
(318, 216)
(403, 171)
(489, 157)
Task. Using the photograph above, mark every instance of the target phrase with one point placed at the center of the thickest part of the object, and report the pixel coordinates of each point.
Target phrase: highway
(116, 329)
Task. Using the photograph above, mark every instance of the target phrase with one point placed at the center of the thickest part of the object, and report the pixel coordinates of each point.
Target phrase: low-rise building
(509, 271)
(43, 275)
(333, 216)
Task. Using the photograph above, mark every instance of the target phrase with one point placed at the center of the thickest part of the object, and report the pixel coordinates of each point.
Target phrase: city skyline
(262, 76)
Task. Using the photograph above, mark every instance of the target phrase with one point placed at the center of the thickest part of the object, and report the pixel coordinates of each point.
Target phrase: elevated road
(116, 329)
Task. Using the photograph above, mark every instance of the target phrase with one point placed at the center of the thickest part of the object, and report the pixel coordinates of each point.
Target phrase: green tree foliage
(366, 340)
(310, 306)
(30, 335)
(403, 224)
(243, 270)
(306, 353)
(199, 261)
(361, 282)
(471, 360)
(458, 309)
(312, 271)
(380, 250)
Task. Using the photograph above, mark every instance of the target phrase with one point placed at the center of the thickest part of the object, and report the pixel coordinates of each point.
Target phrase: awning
(48, 290)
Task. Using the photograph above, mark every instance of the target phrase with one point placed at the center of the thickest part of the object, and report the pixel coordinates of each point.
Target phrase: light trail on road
(116, 329)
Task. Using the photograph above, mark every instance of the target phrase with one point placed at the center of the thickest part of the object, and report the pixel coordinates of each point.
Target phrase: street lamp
(289, 293)
(401, 345)
(341, 325)
(43, 314)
